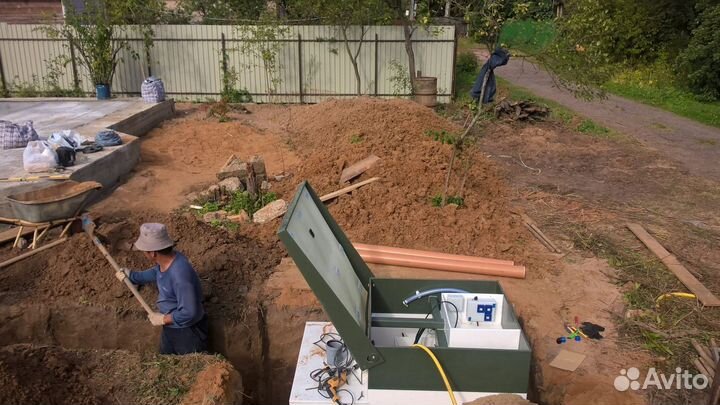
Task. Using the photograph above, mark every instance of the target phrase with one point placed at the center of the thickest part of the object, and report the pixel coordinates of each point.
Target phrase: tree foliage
(221, 11)
(700, 62)
(98, 32)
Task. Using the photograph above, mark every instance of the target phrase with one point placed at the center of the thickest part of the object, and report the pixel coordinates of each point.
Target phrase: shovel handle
(127, 281)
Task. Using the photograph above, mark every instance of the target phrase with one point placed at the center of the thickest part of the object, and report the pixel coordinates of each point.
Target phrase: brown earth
(259, 317)
(51, 375)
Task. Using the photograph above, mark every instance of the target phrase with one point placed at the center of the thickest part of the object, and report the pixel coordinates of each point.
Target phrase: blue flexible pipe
(425, 293)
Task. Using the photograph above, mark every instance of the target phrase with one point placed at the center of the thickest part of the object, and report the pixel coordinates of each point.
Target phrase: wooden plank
(334, 194)
(31, 253)
(358, 168)
(347, 189)
(693, 284)
(8, 235)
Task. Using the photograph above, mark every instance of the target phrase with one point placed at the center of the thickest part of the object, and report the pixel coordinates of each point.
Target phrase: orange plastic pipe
(375, 249)
(487, 269)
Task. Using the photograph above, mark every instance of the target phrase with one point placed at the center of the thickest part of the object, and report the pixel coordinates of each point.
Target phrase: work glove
(122, 274)
(592, 330)
(156, 319)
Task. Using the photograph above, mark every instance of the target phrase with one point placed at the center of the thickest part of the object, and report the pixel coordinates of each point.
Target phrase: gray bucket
(335, 352)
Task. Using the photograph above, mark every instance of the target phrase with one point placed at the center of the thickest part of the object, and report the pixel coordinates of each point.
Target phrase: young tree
(349, 16)
(98, 32)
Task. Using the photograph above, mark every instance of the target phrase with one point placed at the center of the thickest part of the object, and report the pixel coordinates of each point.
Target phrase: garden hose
(673, 294)
(440, 369)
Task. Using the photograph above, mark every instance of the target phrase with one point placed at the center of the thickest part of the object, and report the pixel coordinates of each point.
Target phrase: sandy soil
(52, 375)
(581, 180)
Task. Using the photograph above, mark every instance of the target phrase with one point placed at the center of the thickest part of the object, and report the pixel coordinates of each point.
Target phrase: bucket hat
(153, 237)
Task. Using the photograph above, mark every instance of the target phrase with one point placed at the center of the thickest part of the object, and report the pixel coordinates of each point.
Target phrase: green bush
(466, 63)
(700, 62)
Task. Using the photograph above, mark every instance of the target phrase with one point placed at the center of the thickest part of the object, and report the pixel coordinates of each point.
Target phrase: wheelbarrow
(48, 207)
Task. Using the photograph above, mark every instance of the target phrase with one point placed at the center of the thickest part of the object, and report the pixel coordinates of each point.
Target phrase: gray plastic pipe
(425, 293)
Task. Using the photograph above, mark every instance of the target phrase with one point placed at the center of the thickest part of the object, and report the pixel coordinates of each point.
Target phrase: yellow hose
(674, 294)
(440, 369)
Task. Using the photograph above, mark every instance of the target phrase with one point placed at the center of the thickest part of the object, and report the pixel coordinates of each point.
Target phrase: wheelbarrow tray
(59, 201)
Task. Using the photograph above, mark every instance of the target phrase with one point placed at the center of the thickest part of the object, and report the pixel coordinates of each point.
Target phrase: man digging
(181, 314)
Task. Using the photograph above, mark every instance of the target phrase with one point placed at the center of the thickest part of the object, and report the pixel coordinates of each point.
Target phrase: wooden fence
(312, 62)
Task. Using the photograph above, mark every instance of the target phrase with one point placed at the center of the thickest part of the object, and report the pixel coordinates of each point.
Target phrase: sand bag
(152, 90)
(39, 156)
(17, 136)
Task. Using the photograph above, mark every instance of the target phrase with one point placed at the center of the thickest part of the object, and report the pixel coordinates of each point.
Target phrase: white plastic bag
(67, 138)
(39, 156)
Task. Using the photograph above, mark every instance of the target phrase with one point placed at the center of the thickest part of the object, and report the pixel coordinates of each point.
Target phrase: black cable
(420, 331)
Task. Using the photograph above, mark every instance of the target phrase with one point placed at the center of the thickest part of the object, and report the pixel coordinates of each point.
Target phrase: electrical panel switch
(480, 310)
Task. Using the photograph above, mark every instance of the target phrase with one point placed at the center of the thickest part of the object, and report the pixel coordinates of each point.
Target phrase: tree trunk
(408, 31)
(354, 57)
(459, 142)
(448, 3)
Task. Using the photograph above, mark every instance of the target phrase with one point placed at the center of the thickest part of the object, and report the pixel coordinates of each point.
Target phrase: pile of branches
(521, 111)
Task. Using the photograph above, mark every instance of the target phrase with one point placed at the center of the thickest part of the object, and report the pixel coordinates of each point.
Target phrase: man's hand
(122, 274)
(157, 319)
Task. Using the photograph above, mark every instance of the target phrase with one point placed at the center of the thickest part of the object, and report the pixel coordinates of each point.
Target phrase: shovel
(89, 227)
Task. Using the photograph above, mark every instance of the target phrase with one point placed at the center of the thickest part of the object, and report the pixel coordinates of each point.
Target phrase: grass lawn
(670, 99)
(649, 85)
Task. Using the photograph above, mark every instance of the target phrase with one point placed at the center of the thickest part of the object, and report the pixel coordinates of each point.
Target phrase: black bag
(66, 156)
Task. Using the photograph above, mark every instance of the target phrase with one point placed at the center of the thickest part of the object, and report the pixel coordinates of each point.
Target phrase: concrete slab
(129, 117)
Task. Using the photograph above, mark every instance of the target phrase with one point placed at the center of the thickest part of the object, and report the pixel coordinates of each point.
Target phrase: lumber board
(347, 189)
(10, 234)
(683, 274)
(334, 194)
(358, 168)
(31, 253)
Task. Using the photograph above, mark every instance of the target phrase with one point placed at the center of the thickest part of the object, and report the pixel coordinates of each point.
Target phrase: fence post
(453, 87)
(300, 66)
(224, 62)
(376, 63)
(5, 91)
(73, 63)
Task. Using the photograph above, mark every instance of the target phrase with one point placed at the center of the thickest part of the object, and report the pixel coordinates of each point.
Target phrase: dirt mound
(228, 263)
(53, 375)
(184, 154)
(397, 210)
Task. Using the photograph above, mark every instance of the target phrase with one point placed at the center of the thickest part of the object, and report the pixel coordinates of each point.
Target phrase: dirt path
(694, 145)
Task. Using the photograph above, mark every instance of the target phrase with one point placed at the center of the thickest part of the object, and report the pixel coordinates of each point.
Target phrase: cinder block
(235, 168)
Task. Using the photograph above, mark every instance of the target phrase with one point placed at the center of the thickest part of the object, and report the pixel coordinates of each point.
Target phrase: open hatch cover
(333, 269)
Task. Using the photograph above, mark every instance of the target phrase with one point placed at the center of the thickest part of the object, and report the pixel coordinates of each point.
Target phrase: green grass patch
(528, 36)
(589, 127)
(656, 85)
(668, 98)
(436, 200)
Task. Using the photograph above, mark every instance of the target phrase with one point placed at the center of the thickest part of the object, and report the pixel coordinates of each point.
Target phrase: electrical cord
(439, 304)
(440, 370)
(322, 375)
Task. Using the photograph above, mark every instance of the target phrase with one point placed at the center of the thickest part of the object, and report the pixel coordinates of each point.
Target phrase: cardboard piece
(567, 360)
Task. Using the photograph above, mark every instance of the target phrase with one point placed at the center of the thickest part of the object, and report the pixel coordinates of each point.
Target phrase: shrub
(466, 63)
(700, 61)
